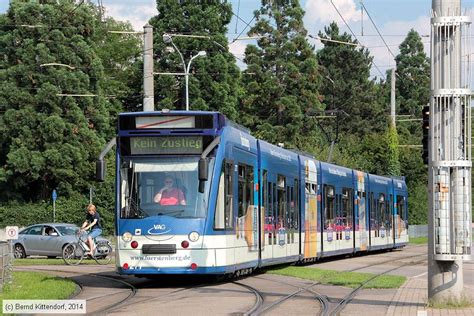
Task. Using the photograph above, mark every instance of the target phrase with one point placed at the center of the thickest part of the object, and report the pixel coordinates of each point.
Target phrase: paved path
(411, 299)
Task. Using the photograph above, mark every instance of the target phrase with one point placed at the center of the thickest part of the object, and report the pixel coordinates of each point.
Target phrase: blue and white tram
(247, 203)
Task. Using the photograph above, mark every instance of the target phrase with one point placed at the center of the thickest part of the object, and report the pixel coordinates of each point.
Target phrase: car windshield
(67, 230)
(162, 186)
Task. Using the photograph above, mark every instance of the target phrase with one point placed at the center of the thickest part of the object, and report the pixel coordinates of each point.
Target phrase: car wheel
(19, 251)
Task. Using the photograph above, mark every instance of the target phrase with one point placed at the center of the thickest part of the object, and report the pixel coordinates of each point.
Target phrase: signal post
(449, 153)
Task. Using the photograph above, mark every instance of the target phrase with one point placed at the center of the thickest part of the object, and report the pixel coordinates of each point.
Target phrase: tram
(198, 194)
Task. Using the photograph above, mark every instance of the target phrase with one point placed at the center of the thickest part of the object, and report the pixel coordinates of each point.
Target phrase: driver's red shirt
(172, 197)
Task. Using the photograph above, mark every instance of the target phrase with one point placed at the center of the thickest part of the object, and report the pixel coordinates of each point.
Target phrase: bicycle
(75, 252)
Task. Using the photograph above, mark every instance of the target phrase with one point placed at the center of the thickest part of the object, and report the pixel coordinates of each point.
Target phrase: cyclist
(92, 222)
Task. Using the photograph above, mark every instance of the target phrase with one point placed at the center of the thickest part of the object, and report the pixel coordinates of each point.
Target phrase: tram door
(246, 206)
(309, 228)
(280, 228)
(400, 217)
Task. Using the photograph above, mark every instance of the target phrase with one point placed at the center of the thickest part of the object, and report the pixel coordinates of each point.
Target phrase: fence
(422, 231)
(415, 231)
(6, 264)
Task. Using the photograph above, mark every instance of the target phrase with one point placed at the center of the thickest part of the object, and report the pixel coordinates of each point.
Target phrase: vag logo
(158, 229)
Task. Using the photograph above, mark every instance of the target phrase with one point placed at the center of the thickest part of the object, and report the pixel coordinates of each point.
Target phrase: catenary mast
(449, 165)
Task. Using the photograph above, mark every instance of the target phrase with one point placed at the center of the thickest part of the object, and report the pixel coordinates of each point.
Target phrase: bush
(71, 210)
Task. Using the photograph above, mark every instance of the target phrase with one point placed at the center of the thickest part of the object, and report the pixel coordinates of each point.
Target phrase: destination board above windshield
(165, 122)
(187, 145)
(148, 122)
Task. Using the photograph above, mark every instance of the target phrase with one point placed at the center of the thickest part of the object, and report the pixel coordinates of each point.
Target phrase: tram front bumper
(189, 261)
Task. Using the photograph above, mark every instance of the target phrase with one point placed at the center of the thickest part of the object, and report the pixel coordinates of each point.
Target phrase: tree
(282, 79)
(347, 85)
(48, 140)
(413, 75)
(413, 92)
(214, 82)
(121, 56)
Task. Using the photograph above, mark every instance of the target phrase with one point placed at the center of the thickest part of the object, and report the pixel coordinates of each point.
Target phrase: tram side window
(329, 206)
(294, 218)
(373, 212)
(281, 198)
(347, 206)
(389, 212)
(223, 217)
(245, 188)
(219, 222)
(264, 199)
(229, 194)
(401, 207)
(381, 206)
(402, 211)
(269, 220)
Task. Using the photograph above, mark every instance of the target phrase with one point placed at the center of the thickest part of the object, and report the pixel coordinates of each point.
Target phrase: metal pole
(186, 73)
(187, 88)
(148, 89)
(54, 211)
(449, 169)
(330, 151)
(392, 98)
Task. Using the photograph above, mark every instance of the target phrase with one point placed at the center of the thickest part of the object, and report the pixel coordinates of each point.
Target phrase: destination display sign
(161, 122)
(166, 145)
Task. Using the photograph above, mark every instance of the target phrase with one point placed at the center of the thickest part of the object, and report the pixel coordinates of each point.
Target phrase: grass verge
(348, 279)
(44, 261)
(418, 240)
(33, 285)
(452, 303)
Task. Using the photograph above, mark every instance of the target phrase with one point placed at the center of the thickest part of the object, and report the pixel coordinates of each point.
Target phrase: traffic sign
(55, 195)
(12, 232)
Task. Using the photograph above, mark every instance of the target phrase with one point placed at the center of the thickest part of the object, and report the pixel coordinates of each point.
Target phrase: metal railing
(6, 264)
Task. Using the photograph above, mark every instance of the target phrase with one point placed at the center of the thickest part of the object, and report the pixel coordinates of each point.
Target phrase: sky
(392, 18)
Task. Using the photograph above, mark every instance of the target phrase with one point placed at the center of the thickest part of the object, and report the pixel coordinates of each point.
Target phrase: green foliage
(346, 85)
(33, 285)
(342, 278)
(418, 240)
(413, 71)
(71, 210)
(413, 91)
(50, 141)
(393, 152)
(417, 203)
(281, 81)
(214, 81)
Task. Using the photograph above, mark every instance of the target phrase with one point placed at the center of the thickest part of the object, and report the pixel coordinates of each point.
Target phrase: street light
(168, 39)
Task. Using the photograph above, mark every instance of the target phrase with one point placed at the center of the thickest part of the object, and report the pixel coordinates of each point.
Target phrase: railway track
(260, 308)
(336, 310)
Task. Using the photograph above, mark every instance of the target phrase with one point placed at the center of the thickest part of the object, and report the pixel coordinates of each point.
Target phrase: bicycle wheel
(73, 254)
(103, 252)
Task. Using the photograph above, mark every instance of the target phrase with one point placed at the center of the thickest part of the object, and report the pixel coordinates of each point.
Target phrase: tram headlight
(127, 237)
(193, 236)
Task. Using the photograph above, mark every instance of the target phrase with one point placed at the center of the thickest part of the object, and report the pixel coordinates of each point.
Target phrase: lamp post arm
(190, 61)
(180, 55)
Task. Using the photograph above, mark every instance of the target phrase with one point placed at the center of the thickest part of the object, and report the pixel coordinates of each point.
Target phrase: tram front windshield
(165, 186)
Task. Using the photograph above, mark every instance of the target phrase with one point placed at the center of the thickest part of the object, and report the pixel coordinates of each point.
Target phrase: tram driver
(170, 194)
